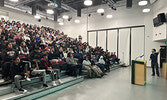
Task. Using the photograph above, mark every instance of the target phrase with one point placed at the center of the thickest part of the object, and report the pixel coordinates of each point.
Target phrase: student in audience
(94, 60)
(87, 65)
(45, 64)
(36, 51)
(18, 72)
(35, 69)
(24, 51)
(97, 70)
(102, 62)
(73, 65)
(7, 55)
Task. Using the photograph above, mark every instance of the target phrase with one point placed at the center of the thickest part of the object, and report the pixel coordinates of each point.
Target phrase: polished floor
(114, 86)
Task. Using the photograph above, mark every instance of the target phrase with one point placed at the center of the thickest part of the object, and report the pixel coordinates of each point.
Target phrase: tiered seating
(34, 87)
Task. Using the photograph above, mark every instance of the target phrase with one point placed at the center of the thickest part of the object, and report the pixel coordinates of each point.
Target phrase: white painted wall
(27, 18)
(121, 18)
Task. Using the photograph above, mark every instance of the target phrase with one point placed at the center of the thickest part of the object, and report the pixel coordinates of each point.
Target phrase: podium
(164, 70)
(138, 72)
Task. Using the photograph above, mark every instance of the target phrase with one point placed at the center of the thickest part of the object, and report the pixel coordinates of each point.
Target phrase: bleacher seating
(20, 31)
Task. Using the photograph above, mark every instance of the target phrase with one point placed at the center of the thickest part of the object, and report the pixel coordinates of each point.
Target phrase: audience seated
(46, 51)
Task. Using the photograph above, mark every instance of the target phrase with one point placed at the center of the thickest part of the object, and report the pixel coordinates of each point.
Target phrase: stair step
(36, 91)
(24, 83)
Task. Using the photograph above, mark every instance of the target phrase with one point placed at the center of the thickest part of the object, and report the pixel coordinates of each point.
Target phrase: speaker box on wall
(162, 17)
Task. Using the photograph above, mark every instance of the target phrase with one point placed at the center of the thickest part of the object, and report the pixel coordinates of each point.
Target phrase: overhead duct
(58, 3)
(78, 11)
(34, 8)
(55, 14)
(2, 3)
(152, 1)
(129, 4)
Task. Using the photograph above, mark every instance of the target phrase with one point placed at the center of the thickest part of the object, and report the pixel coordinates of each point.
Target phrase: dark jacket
(17, 69)
(44, 64)
(8, 54)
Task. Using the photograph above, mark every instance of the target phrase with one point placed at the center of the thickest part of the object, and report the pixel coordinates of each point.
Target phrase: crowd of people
(32, 51)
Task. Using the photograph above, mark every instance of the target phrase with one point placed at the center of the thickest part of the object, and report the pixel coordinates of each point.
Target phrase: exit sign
(166, 42)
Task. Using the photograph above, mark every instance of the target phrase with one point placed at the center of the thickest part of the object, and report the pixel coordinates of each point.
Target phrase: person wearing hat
(102, 62)
(45, 64)
(36, 51)
(35, 69)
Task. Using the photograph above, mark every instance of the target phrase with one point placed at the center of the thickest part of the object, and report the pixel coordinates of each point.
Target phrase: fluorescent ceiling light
(146, 10)
(77, 21)
(143, 3)
(14, 0)
(65, 17)
(109, 16)
(61, 23)
(37, 16)
(101, 10)
(88, 2)
(50, 11)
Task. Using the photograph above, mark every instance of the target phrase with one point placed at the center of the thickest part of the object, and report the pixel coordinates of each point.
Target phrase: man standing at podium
(154, 62)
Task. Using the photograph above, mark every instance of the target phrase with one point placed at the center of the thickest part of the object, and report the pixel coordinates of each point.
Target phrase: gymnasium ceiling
(67, 5)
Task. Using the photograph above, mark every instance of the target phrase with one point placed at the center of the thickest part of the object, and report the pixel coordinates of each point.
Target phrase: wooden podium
(139, 72)
(164, 70)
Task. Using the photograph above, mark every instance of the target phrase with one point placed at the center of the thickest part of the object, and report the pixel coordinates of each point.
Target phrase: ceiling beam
(23, 2)
(66, 7)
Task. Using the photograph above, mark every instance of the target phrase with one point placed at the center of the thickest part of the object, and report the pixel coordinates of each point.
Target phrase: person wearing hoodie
(7, 56)
(103, 63)
(18, 72)
(45, 64)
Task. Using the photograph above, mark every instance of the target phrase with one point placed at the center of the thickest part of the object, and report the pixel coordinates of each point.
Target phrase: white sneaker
(53, 83)
(59, 81)
(22, 91)
(28, 79)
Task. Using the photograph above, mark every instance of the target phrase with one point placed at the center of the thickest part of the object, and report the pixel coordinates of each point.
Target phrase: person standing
(154, 62)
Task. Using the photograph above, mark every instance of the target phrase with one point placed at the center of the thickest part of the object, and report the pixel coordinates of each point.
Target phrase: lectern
(164, 70)
(138, 72)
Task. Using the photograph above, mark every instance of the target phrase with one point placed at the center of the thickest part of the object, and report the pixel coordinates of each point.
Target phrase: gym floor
(114, 86)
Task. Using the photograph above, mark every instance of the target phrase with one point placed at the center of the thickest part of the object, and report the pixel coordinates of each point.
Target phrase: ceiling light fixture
(146, 10)
(109, 16)
(65, 17)
(88, 2)
(37, 16)
(50, 11)
(61, 23)
(14, 0)
(77, 21)
(101, 10)
(143, 3)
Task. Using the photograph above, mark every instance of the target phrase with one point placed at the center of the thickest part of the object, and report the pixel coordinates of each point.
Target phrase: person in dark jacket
(36, 52)
(18, 72)
(45, 64)
(35, 65)
(7, 56)
(154, 62)
(73, 66)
